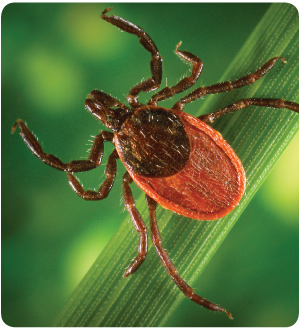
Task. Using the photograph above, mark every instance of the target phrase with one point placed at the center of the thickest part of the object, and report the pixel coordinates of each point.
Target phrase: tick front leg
(103, 191)
(245, 103)
(152, 83)
(139, 226)
(183, 84)
(92, 162)
(169, 266)
(227, 85)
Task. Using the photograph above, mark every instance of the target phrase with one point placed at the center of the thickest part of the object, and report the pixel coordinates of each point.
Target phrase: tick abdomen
(209, 185)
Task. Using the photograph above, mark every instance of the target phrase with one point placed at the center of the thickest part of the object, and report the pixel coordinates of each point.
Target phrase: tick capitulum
(179, 161)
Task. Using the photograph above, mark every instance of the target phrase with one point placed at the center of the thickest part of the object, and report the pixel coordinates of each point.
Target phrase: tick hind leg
(227, 85)
(185, 83)
(152, 83)
(92, 162)
(245, 103)
(139, 226)
(169, 266)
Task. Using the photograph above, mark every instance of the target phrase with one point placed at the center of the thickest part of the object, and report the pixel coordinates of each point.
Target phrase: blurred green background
(53, 55)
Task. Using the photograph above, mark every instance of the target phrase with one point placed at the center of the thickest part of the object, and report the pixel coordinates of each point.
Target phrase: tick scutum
(153, 142)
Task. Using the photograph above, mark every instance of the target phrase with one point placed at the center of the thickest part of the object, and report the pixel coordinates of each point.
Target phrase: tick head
(107, 109)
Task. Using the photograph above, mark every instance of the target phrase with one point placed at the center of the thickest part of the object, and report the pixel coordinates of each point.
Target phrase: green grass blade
(259, 137)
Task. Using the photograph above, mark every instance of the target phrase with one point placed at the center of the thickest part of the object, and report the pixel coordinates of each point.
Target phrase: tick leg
(227, 85)
(245, 103)
(92, 162)
(103, 191)
(152, 83)
(183, 84)
(139, 226)
(169, 266)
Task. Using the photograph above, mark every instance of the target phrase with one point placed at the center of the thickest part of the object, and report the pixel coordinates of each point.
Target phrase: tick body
(179, 161)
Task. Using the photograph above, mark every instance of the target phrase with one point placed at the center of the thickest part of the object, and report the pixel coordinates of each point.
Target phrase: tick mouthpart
(95, 95)
(95, 99)
(90, 97)
(95, 108)
(91, 104)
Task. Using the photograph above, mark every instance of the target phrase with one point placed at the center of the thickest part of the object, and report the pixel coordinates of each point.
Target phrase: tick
(179, 161)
